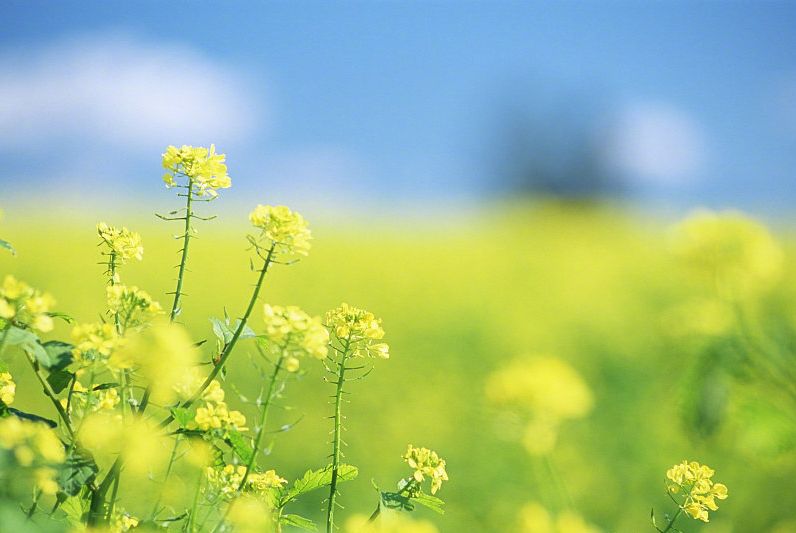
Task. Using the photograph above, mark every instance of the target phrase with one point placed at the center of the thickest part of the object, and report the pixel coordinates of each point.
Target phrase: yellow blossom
(24, 305)
(729, 251)
(132, 305)
(7, 388)
(286, 230)
(426, 463)
(205, 170)
(358, 330)
(122, 243)
(293, 334)
(34, 445)
(694, 482)
(249, 514)
(94, 343)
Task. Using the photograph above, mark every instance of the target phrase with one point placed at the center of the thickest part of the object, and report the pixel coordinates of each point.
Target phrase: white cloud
(114, 90)
(657, 143)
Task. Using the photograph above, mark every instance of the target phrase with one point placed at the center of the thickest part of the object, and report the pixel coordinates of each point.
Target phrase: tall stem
(186, 240)
(263, 418)
(227, 351)
(673, 520)
(338, 429)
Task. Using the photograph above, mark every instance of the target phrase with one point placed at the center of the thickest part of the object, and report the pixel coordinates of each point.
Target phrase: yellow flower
(294, 334)
(7, 388)
(730, 251)
(286, 230)
(260, 482)
(133, 305)
(34, 445)
(249, 514)
(162, 354)
(205, 170)
(534, 518)
(358, 330)
(426, 463)
(700, 493)
(25, 305)
(94, 343)
(122, 243)
(546, 386)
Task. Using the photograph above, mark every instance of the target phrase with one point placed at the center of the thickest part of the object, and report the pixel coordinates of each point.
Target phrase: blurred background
(495, 179)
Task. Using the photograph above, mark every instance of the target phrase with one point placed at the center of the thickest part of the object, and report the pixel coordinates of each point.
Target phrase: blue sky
(396, 102)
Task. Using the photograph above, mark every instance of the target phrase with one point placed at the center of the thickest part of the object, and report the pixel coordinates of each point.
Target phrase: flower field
(530, 368)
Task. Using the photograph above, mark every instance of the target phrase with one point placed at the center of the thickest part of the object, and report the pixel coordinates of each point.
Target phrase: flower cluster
(202, 166)
(226, 480)
(546, 389)
(426, 463)
(294, 334)
(87, 400)
(8, 388)
(693, 480)
(122, 243)
(24, 305)
(94, 343)
(132, 305)
(729, 250)
(33, 445)
(215, 414)
(286, 230)
(535, 518)
(122, 521)
(358, 330)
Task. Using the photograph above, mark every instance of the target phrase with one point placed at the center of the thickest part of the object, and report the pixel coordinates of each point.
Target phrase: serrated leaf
(76, 509)
(59, 354)
(183, 415)
(59, 380)
(7, 246)
(239, 445)
(298, 521)
(315, 479)
(78, 470)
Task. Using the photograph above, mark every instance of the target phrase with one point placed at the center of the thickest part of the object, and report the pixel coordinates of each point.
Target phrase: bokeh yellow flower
(8, 388)
(25, 306)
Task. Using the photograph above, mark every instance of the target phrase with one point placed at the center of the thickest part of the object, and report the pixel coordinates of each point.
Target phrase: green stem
(227, 351)
(673, 520)
(175, 307)
(263, 419)
(170, 465)
(195, 503)
(4, 337)
(338, 401)
(50, 393)
(99, 494)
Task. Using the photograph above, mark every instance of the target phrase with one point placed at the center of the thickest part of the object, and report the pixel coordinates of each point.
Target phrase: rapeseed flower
(25, 306)
(33, 445)
(8, 388)
(132, 305)
(359, 330)
(694, 481)
(123, 244)
(284, 229)
(730, 251)
(426, 463)
(205, 170)
(293, 334)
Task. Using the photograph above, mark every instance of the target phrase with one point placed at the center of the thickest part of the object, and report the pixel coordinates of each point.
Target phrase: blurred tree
(554, 147)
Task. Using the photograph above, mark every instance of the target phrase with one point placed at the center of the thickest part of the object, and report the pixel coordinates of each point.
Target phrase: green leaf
(428, 501)
(78, 470)
(59, 354)
(224, 331)
(76, 509)
(315, 479)
(298, 521)
(182, 415)
(59, 380)
(239, 445)
(63, 316)
(7, 246)
(105, 386)
(32, 417)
